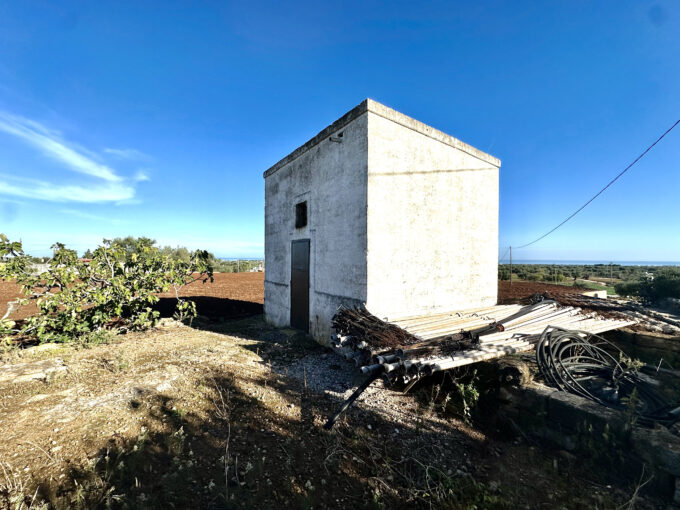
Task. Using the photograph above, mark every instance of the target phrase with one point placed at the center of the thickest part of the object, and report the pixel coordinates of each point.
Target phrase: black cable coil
(587, 365)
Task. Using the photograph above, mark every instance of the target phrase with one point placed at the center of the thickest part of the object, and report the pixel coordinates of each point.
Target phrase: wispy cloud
(109, 186)
(42, 190)
(91, 217)
(11, 201)
(132, 154)
(142, 176)
(49, 143)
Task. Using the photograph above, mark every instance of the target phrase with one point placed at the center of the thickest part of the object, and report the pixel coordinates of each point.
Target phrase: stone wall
(596, 432)
(655, 349)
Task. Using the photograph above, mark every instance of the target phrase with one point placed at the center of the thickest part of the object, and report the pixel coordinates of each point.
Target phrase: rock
(513, 371)
(37, 398)
(659, 447)
(566, 456)
(32, 371)
(44, 348)
(168, 322)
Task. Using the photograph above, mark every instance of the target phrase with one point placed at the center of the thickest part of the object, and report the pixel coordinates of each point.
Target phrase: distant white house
(382, 210)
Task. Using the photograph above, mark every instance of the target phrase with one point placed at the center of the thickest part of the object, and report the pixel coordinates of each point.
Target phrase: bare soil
(230, 295)
(9, 291)
(235, 295)
(230, 415)
(519, 291)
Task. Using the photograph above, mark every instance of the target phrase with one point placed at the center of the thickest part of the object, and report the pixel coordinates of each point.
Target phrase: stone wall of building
(432, 219)
(331, 177)
(401, 217)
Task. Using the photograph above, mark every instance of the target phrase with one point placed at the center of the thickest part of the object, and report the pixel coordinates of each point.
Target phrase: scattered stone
(569, 457)
(169, 322)
(32, 371)
(51, 346)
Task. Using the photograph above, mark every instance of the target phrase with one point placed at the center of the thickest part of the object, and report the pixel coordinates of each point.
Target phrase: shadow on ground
(212, 308)
(258, 442)
(244, 454)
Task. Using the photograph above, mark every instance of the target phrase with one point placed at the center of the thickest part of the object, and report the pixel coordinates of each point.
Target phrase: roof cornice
(369, 105)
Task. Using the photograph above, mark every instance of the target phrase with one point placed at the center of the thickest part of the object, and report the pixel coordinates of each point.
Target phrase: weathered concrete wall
(432, 219)
(331, 177)
(402, 217)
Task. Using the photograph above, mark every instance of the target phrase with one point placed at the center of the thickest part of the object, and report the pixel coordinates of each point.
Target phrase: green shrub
(664, 284)
(116, 289)
(628, 289)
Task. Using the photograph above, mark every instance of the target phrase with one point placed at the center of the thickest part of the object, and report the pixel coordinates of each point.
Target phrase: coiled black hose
(587, 365)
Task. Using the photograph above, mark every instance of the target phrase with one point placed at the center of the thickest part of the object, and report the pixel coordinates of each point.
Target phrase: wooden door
(299, 284)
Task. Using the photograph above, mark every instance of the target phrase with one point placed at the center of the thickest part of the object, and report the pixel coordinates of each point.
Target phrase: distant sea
(593, 262)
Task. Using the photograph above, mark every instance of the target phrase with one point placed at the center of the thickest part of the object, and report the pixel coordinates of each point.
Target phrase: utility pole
(238, 265)
(511, 266)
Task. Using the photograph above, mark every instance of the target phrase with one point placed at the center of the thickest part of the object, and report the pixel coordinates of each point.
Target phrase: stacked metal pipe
(411, 347)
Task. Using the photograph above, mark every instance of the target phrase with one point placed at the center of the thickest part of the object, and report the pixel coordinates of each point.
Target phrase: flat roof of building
(369, 105)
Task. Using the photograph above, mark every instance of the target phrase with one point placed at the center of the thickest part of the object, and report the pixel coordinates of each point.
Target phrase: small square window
(301, 215)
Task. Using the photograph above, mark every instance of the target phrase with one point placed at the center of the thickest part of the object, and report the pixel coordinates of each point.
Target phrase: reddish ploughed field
(234, 295)
(523, 290)
(8, 292)
(231, 295)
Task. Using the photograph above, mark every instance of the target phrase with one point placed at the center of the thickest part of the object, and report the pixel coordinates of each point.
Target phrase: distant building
(600, 294)
(382, 210)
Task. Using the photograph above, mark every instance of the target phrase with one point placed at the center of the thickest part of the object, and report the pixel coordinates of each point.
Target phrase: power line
(503, 257)
(603, 189)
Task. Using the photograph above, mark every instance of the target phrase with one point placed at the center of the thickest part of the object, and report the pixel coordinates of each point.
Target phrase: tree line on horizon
(181, 253)
(650, 284)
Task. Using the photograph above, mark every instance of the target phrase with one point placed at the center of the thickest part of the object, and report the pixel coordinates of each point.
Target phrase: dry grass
(199, 418)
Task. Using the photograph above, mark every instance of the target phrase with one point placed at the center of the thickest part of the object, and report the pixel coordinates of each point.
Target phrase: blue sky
(158, 119)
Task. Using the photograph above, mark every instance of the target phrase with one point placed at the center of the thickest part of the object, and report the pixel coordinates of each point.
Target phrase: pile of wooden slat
(447, 340)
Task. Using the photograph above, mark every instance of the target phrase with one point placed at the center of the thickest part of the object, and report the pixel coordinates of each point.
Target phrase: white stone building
(383, 210)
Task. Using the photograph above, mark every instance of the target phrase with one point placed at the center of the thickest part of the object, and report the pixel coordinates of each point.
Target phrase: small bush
(116, 289)
(663, 285)
(628, 289)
